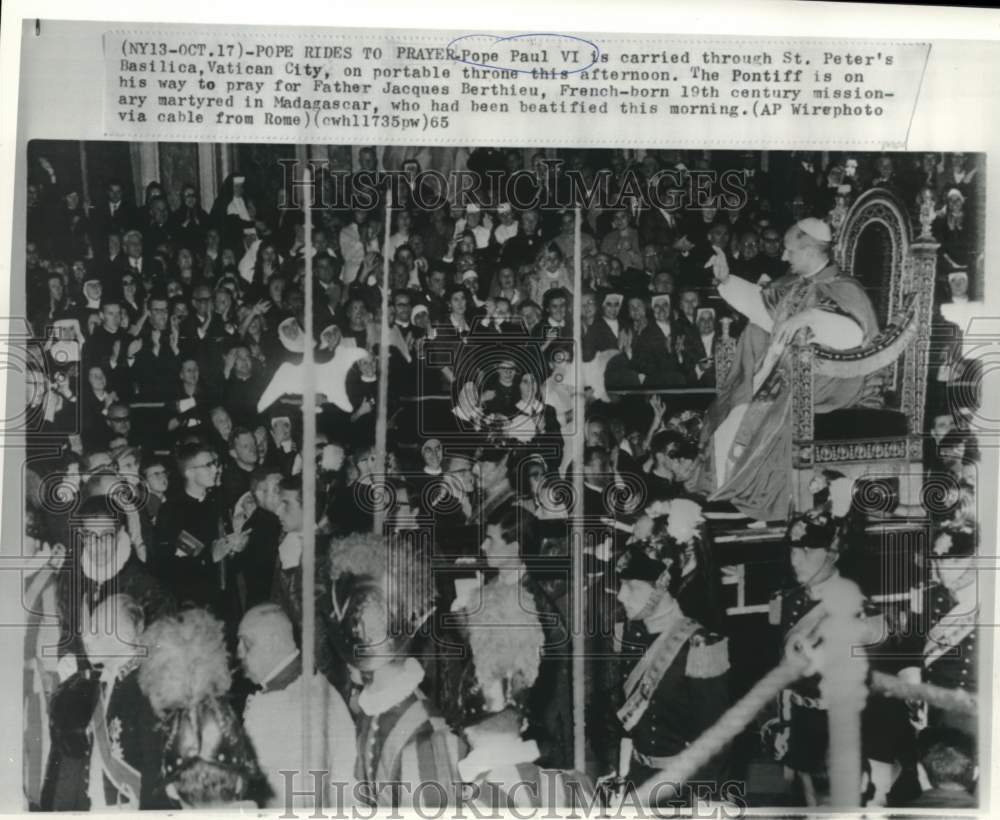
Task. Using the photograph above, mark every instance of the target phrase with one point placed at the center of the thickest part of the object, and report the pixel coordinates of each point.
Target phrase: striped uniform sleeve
(429, 769)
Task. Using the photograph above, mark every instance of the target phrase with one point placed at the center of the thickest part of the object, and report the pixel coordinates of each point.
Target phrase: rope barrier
(738, 716)
(843, 687)
(727, 727)
(950, 700)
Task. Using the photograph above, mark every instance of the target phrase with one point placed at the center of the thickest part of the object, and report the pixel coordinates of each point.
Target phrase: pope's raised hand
(719, 265)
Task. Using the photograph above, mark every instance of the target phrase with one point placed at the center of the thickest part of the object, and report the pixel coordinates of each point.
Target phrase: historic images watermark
(545, 186)
(553, 798)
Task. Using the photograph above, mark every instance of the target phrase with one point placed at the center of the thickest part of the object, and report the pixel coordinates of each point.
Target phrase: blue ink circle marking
(510, 37)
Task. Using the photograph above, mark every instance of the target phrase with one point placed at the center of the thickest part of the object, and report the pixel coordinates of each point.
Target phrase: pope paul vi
(747, 445)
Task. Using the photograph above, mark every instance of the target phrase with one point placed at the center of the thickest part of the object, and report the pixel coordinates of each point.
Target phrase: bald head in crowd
(265, 641)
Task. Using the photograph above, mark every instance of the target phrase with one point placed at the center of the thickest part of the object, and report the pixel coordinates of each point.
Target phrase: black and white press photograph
(501, 479)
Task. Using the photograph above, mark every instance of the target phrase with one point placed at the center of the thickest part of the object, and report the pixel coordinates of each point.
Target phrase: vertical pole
(577, 587)
(84, 180)
(308, 484)
(844, 688)
(381, 419)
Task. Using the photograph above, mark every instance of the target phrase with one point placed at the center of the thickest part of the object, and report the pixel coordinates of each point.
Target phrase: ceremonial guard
(382, 596)
(107, 746)
(208, 760)
(679, 687)
(943, 626)
(506, 642)
(799, 738)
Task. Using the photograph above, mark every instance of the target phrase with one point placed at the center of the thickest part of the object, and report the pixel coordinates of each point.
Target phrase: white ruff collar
(497, 753)
(393, 691)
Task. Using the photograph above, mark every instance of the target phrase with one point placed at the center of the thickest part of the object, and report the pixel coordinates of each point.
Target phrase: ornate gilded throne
(883, 436)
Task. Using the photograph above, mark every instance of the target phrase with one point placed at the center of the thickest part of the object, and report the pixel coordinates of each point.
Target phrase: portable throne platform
(881, 440)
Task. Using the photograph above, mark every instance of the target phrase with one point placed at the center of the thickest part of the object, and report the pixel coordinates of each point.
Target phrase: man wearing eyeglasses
(203, 326)
(120, 424)
(201, 333)
(151, 359)
(103, 563)
(187, 528)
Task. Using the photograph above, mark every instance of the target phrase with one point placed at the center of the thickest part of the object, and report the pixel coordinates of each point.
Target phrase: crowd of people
(164, 461)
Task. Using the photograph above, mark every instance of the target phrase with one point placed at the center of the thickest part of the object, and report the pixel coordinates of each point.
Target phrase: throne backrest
(875, 246)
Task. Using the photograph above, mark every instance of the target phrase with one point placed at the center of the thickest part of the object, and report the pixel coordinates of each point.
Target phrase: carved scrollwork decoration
(802, 397)
(894, 449)
(882, 207)
(725, 353)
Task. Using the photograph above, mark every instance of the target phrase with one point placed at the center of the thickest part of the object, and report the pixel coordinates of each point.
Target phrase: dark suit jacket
(599, 336)
(694, 352)
(104, 222)
(154, 375)
(651, 356)
(130, 718)
(944, 799)
(152, 269)
(259, 561)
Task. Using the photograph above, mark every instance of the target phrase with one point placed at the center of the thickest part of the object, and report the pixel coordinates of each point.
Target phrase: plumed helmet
(186, 661)
(382, 595)
(657, 561)
(953, 541)
(185, 675)
(209, 733)
(814, 529)
(505, 640)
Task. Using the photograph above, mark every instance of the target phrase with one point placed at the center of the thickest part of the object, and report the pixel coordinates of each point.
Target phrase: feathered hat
(814, 529)
(505, 641)
(186, 678)
(382, 593)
